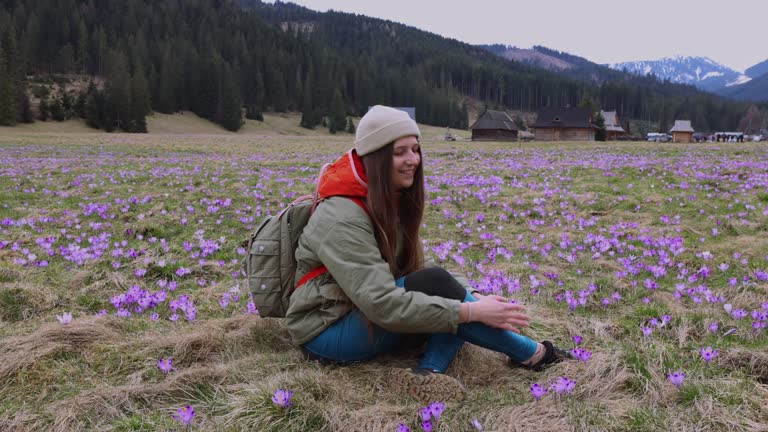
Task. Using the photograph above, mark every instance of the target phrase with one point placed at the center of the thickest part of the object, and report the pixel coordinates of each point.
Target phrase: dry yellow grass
(188, 123)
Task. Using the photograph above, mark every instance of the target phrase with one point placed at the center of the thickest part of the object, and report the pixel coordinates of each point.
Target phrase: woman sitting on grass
(362, 279)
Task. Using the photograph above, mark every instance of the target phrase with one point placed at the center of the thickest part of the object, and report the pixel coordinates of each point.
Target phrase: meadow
(649, 260)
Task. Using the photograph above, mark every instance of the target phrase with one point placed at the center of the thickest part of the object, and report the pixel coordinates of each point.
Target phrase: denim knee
(435, 281)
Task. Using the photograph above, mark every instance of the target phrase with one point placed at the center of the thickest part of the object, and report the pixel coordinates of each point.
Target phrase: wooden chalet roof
(611, 121)
(682, 126)
(494, 120)
(554, 117)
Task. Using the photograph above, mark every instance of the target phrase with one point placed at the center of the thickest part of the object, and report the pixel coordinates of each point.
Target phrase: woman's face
(405, 160)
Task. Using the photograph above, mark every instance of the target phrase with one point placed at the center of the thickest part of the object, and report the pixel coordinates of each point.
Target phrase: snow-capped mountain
(701, 72)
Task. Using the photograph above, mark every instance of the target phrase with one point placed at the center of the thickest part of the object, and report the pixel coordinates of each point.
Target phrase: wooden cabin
(494, 126)
(682, 131)
(613, 129)
(564, 124)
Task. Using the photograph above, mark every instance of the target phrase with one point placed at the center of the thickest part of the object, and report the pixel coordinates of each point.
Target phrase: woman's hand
(496, 311)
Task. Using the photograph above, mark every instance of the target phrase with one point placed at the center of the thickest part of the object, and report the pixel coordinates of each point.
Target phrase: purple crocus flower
(436, 408)
(646, 330)
(64, 318)
(577, 339)
(477, 424)
(708, 354)
(425, 413)
(537, 391)
(563, 385)
(165, 365)
(582, 354)
(282, 398)
(184, 415)
(676, 378)
(426, 426)
(403, 428)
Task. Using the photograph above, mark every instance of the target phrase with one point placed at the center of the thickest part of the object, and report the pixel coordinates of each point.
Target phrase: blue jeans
(348, 340)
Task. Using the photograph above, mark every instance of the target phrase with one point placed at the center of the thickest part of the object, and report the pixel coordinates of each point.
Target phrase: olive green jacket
(340, 235)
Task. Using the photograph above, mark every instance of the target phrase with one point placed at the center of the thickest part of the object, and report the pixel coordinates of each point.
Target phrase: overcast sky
(733, 33)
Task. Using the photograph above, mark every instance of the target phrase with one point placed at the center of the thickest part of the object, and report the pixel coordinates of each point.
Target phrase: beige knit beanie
(381, 126)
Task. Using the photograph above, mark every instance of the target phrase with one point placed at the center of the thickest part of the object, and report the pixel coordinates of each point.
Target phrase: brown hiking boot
(426, 385)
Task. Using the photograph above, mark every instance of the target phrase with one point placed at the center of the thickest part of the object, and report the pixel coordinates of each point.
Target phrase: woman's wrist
(466, 313)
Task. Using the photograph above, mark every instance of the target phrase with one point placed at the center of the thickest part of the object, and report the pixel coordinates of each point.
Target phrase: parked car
(700, 137)
(659, 137)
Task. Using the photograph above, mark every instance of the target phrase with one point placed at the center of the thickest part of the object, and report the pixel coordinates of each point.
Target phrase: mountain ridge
(702, 72)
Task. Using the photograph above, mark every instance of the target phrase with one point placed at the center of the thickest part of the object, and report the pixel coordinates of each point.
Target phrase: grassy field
(188, 123)
(649, 252)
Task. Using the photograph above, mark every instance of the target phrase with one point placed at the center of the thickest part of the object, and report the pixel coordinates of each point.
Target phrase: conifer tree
(206, 102)
(140, 102)
(230, 103)
(44, 108)
(8, 77)
(67, 103)
(350, 126)
(338, 117)
(95, 107)
(278, 92)
(24, 114)
(464, 124)
(166, 102)
(57, 110)
(308, 117)
(600, 133)
(519, 123)
(118, 93)
(80, 104)
(260, 91)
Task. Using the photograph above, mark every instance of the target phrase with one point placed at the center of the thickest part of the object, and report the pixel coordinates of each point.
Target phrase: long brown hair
(385, 212)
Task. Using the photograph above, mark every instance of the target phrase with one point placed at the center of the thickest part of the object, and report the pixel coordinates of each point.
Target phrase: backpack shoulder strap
(317, 199)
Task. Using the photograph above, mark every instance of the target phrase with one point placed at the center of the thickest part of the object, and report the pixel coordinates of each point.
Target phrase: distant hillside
(529, 56)
(754, 90)
(563, 63)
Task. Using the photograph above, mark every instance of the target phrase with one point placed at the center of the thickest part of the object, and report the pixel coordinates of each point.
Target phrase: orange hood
(344, 177)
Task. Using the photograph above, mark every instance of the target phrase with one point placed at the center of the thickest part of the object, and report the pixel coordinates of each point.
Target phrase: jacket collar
(344, 177)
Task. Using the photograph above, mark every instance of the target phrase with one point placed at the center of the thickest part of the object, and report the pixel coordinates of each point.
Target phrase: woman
(365, 233)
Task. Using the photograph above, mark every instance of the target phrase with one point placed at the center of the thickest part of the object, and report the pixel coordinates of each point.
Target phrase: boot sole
(427, 388)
